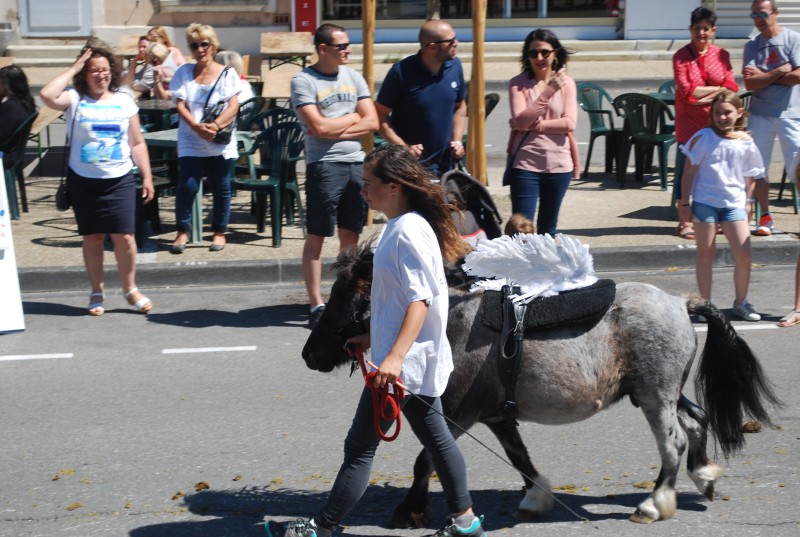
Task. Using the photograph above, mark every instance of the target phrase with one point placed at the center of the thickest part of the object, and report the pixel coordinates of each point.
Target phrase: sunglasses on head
(201, 45)
(339, 46)
(544, 52)
(761, 14)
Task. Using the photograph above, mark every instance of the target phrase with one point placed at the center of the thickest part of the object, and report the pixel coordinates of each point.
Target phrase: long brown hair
(395, 164)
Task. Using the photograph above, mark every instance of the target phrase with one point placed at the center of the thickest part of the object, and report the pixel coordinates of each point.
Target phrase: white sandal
(143, 305)
(95, 308)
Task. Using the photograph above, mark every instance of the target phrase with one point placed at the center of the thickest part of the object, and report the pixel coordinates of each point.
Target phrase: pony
(643, 348)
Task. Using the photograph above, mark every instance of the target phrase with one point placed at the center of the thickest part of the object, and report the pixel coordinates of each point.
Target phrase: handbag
(211, 113)
(510, 161)
(63, 201)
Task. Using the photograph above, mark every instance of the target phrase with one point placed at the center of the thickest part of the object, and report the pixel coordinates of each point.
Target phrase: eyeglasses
(544, 52)
(99, 71)
(339, 46)
(450, 42)
(762, 14)
(201, 45)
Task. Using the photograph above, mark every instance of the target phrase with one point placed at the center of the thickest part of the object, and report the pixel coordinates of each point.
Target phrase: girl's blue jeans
(547, 189)
(191, 172)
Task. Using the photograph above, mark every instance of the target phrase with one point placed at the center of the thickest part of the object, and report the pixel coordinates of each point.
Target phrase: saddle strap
(511, 340)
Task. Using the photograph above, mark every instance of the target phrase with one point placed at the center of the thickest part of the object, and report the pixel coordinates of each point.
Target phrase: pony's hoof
(523, 515)
(402, 519)
(640, 518)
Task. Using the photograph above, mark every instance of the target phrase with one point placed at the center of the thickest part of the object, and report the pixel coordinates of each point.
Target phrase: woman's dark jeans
(548, 189)
(191, 172)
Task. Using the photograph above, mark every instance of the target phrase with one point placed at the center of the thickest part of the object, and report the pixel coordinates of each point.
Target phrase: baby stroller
(479, 218)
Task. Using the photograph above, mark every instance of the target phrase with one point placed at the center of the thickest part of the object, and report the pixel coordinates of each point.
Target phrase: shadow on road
(280, 315)
(242, 512)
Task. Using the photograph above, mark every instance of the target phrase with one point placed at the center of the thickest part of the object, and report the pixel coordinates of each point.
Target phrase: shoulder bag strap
(67, 150)
(225, 70)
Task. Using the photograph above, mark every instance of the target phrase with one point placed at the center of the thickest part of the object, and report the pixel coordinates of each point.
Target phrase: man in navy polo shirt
(421, 101)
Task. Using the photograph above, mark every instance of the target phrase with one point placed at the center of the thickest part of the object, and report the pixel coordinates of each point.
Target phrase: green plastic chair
(285, 144)
(14, 177)
(249, 110)
(593, 99)
(643, 119)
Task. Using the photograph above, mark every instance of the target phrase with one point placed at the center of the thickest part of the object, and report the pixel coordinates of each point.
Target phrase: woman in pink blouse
(544, 111)
(701, 71)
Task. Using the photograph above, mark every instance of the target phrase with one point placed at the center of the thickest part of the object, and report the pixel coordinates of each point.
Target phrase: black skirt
(103, 205)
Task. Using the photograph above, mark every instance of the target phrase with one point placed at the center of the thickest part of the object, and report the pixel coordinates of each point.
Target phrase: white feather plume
(539, 264)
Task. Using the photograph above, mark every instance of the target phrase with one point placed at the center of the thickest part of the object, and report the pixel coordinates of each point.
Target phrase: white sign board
(11, 318)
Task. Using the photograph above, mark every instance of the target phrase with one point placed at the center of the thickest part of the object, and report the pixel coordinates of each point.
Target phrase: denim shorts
(711, 215)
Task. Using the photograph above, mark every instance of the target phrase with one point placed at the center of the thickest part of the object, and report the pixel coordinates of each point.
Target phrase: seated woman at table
(702, 70)
(143, 82)
(104, 133)
(233, 59)
(195, 87)
(157, 55)
(174, 59)
(16, 105)
(137, 68)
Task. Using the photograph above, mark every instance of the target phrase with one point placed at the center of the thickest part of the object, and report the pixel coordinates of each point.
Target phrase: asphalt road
(122, 418)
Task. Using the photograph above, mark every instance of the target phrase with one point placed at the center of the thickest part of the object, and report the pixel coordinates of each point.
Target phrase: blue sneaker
(297, 528)
(451, 529)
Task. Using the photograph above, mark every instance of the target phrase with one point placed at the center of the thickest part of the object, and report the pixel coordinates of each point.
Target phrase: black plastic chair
(163, 172)
(643, 119)
(593, 99)
(285, 144)
(249, 110)
(14, 176)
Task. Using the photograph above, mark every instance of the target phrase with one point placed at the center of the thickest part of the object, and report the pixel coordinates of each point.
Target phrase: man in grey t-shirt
(335, 109)
(771, 69)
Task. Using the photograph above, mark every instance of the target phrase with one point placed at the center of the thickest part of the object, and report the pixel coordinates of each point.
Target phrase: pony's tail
(730, 382)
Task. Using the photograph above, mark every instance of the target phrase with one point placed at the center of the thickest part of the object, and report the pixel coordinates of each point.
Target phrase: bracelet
(217, 124)
(456, 142)
(686, 205)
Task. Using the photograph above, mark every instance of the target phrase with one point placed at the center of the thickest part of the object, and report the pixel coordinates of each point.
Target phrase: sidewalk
(628, 228)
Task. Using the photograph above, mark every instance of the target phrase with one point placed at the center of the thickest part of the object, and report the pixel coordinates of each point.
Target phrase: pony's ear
(362, 268)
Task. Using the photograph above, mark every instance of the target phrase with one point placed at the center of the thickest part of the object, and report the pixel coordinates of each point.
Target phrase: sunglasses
(544, 52)
(341, 47)
(201, 45)
(449, 42)
(761, 14)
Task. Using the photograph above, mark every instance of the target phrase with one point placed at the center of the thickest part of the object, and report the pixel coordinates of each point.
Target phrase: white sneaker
(746, 311)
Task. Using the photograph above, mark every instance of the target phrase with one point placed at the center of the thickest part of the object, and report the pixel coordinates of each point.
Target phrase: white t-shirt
(184, 88)
(408, 267)
(723, 164)
(99, 146)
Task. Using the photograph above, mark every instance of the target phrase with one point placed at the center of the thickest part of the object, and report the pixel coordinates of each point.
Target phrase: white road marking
(15, 357)
(208, 349)
(743, 327)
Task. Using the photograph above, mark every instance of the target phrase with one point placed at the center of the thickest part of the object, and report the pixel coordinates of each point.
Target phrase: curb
(281, 271)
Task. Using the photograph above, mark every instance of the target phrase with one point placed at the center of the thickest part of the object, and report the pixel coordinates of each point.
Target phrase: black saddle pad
(567, 308)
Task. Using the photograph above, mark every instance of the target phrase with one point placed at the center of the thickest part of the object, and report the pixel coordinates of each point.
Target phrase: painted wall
(656, 19)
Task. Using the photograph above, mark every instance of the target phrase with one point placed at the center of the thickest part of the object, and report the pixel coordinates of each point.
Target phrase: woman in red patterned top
(701, 71)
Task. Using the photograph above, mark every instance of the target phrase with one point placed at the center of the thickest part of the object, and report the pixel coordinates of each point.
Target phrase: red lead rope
(386, 405)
